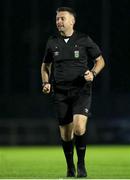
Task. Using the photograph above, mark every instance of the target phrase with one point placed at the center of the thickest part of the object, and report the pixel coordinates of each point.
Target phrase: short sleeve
(92, 48)
(48, 56)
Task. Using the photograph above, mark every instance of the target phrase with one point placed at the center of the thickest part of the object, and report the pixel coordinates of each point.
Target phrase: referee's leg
(80, 122)
(67, 137)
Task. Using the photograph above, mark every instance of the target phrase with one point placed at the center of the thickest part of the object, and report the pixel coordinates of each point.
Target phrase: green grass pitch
(107, 162)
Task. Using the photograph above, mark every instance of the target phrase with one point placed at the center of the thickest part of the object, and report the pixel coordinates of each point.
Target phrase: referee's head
(68, 9)
(65, 20)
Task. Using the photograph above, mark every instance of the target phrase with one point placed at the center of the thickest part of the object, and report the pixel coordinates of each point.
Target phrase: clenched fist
(46, 88)
(88, 75)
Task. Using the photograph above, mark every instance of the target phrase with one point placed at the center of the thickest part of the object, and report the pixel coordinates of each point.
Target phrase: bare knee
(79, 130)
(66, 137)
(66, 132)
(80, 124)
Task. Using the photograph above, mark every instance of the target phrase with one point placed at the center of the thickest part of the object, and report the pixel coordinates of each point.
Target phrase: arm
(98, 66)
(45, 74)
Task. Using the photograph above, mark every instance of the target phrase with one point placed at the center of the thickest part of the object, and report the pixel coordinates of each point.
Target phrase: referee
(65, 68)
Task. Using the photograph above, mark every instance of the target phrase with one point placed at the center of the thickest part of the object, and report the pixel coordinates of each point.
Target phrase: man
(65, 61)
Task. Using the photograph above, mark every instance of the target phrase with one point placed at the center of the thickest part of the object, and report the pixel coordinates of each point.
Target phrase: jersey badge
(76, 53)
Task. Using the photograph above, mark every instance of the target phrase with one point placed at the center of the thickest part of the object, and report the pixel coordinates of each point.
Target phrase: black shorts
(76, 100)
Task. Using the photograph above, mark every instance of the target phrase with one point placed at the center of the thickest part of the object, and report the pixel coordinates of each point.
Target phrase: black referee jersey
(70, 59)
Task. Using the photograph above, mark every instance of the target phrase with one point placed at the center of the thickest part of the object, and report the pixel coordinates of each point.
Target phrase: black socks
(80, 142)
(68, 147)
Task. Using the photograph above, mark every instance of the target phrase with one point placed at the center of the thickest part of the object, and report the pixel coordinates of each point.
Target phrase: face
(64, 21)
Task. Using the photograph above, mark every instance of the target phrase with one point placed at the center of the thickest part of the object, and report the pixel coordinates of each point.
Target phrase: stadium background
(27, 116)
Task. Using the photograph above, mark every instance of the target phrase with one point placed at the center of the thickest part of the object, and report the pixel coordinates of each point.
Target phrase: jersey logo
(76, 54)
(86, 110)
(56, 53)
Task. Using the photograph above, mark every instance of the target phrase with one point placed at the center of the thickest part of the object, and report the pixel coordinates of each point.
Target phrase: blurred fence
(45, 132)
(31, 120)
(28, 132)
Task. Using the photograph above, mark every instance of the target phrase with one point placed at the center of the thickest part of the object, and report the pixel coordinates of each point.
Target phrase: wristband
(94, 73)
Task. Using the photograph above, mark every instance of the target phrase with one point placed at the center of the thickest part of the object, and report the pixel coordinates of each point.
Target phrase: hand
(88, 75)
(46, 88)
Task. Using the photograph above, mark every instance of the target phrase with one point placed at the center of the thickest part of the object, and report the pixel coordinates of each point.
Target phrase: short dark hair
(68, 9)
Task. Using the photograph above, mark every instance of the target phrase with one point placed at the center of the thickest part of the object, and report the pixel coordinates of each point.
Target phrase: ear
(73, 21)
